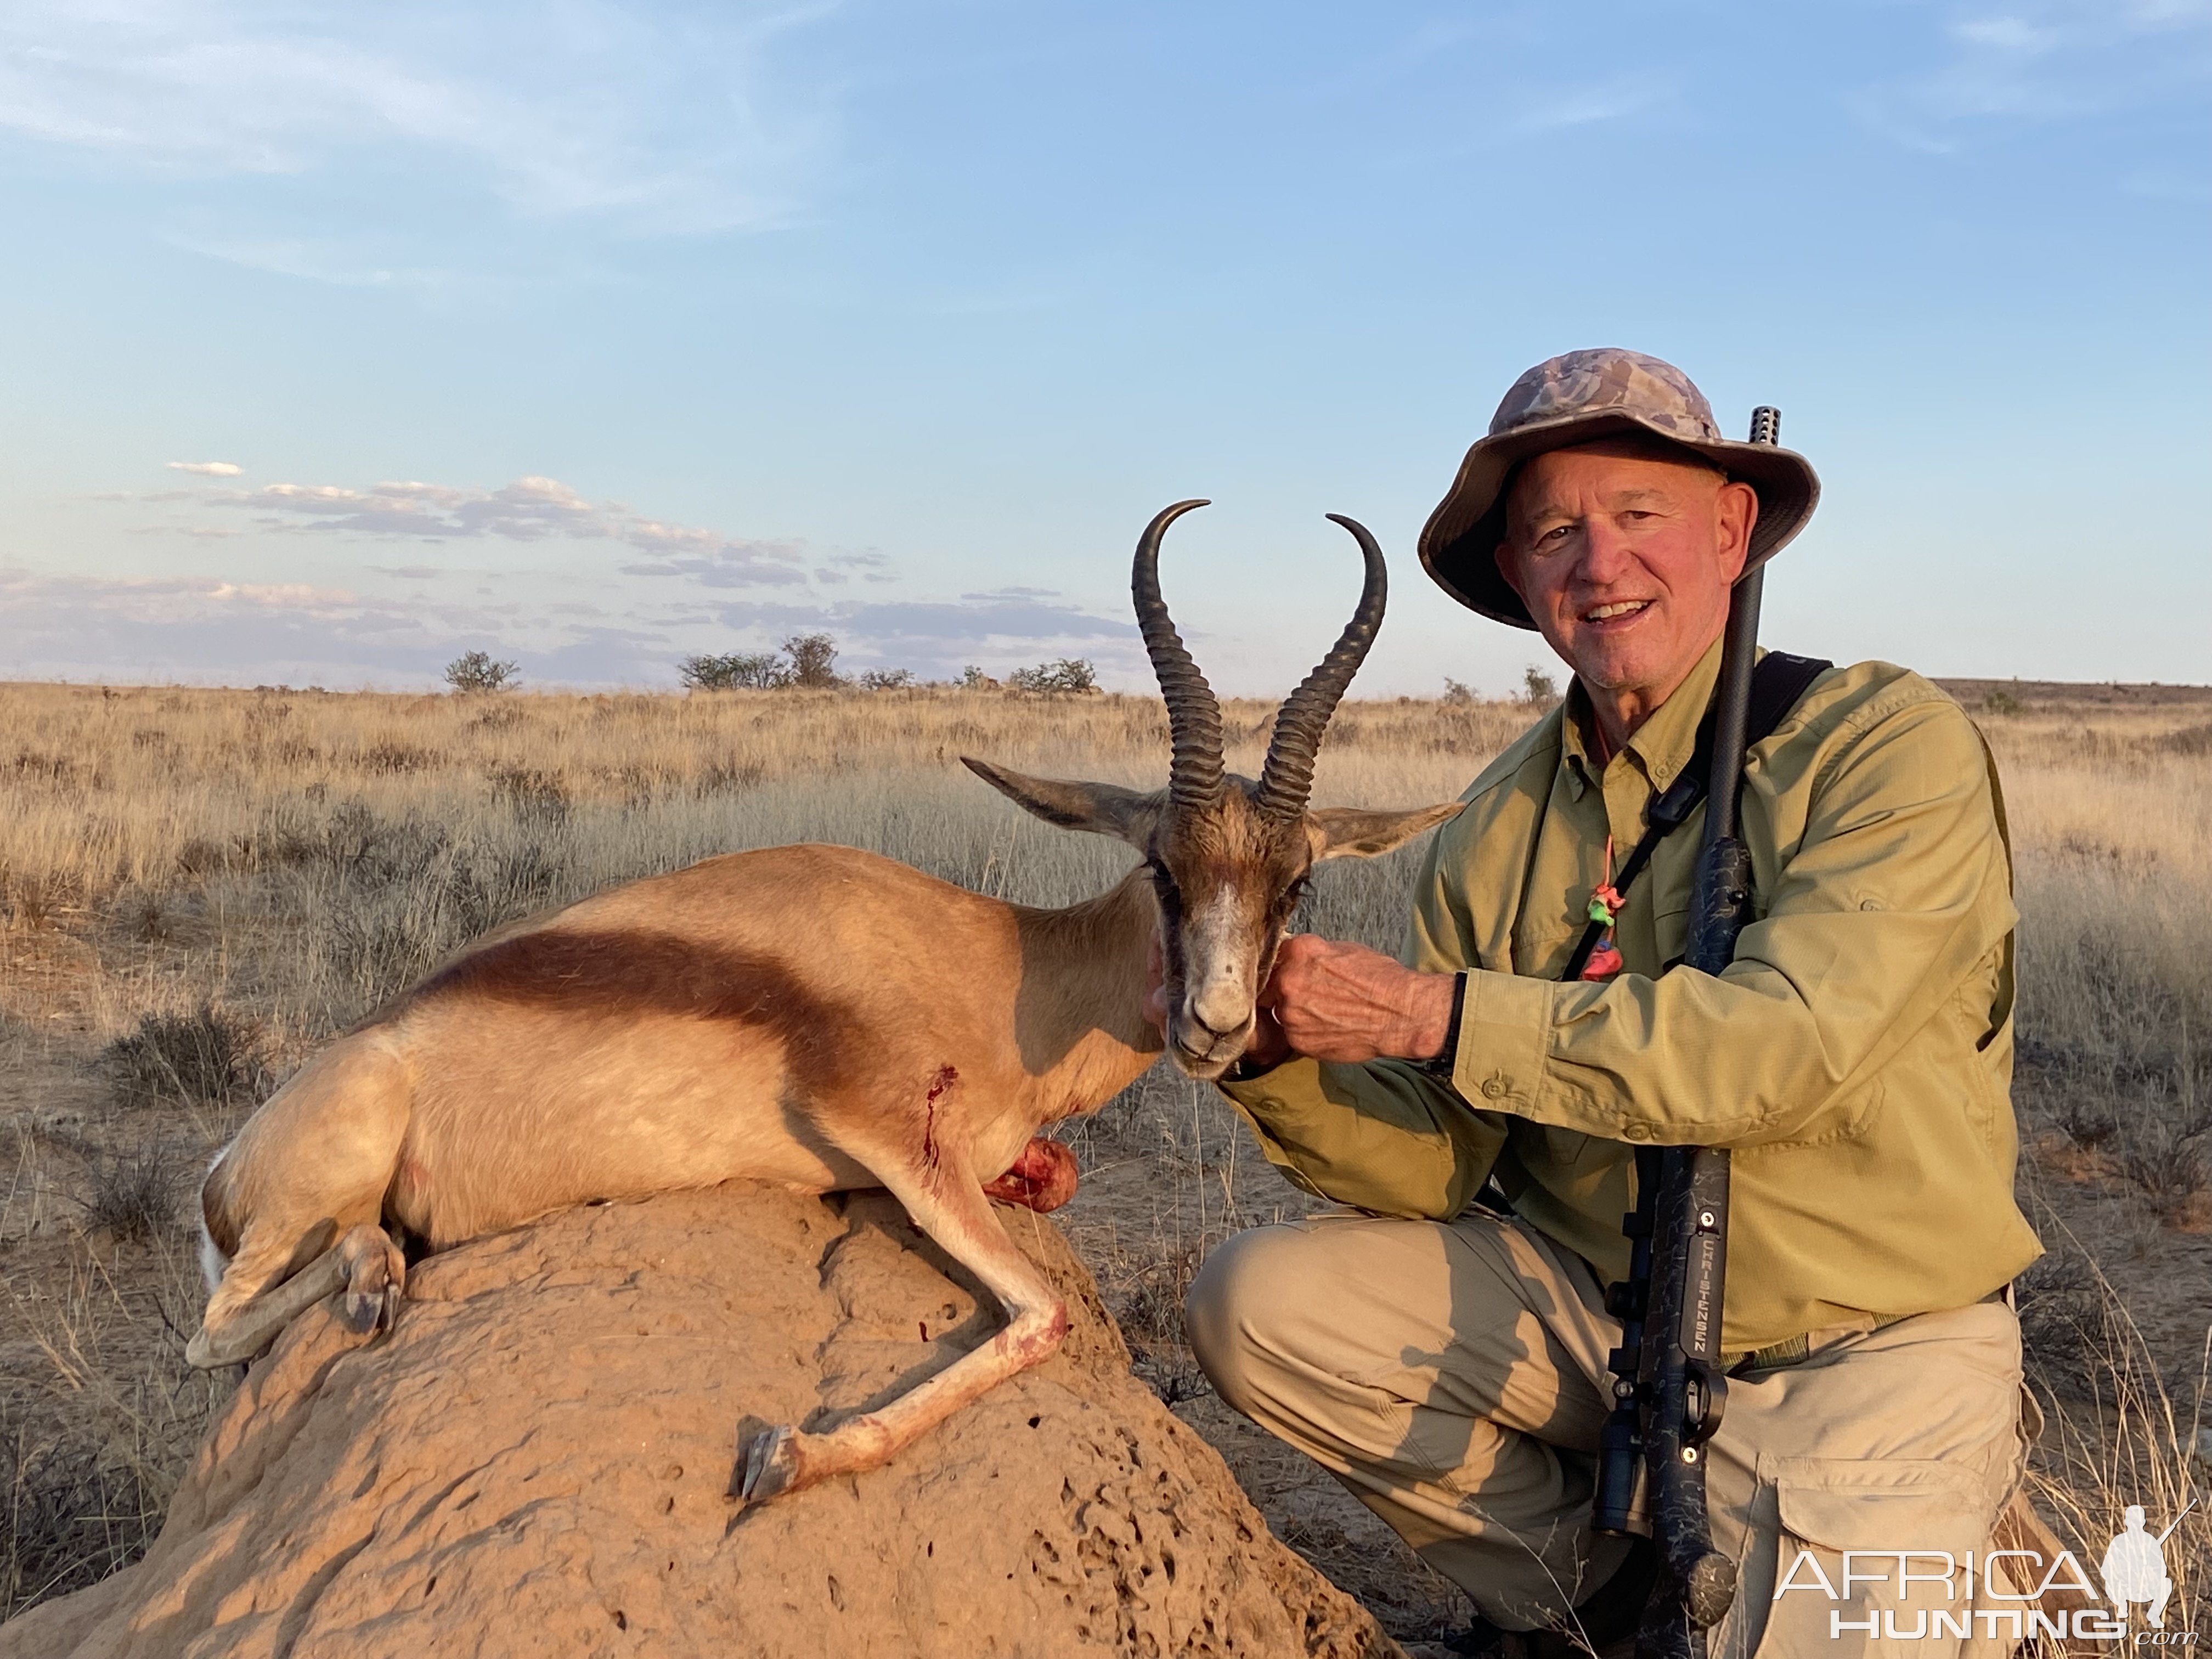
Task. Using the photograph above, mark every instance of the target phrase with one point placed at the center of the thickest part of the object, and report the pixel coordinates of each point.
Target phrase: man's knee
(1242, 1306)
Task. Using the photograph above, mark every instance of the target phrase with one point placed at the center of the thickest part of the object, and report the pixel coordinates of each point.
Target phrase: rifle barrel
(1682, 1205)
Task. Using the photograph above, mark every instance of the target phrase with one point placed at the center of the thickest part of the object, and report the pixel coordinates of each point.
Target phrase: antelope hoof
(372, 1311)
(375, 1273)
(770, 1463)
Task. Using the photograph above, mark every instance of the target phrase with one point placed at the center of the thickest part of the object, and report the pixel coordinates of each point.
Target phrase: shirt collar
(1663, 746)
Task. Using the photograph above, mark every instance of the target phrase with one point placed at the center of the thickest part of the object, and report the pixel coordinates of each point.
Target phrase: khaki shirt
(1856, 1057)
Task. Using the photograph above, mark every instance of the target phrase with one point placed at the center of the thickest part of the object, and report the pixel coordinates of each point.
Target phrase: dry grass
(196, 887)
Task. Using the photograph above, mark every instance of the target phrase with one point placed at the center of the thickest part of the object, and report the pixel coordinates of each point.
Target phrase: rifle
(1668, 1385)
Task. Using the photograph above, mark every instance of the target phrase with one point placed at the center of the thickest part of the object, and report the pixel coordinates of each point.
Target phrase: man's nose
(1607, 554)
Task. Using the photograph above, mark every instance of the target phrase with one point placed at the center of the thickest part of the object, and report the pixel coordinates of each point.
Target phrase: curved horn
(1194, 716)
(1287, 778)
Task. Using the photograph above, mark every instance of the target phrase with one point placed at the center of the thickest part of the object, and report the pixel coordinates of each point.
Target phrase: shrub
(210, 1057)
(1456, 694)
(72, 1516)
(1538, 687)
(391, 755)
(478, 670)
(1070, 675)
(2001, 701)
(973, 678)
(533, 794)
(134, 1194)
(813, 658)
(756, 671)
(887, 679)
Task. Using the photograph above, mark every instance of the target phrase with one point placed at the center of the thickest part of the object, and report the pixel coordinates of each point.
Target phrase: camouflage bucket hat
(1574, 399)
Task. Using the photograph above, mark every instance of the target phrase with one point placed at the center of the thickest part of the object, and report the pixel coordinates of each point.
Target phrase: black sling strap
(1776, 684)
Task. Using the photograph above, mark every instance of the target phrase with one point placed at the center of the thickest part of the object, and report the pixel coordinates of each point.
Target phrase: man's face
(1624, 559)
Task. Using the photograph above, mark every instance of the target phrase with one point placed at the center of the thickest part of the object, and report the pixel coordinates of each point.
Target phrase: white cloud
(663, 116)
(530, 509)
(686, 588)
(1614, 100)
(208, 628)
(2045, 61)
(207, 469)
(350, 262)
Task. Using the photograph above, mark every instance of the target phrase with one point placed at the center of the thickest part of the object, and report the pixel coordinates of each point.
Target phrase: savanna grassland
(197, 887)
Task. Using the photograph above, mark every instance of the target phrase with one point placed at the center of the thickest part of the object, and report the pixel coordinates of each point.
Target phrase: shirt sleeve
(1887, 905)
(1390, 1136)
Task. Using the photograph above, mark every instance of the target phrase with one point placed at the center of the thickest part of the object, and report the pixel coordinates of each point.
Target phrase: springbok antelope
(813, 1016)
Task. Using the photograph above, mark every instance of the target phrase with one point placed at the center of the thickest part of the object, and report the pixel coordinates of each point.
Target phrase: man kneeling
(1440, 1344)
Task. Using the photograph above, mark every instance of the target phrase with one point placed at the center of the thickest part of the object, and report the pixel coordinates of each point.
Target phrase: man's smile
(1618, 611)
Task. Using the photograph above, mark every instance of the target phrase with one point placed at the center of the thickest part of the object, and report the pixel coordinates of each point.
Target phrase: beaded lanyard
(1604, 901)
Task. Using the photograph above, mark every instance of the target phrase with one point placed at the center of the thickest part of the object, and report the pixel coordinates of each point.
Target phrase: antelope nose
(1220, 1014)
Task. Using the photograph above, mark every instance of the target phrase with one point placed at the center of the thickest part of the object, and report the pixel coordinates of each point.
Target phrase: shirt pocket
(1872, 1556)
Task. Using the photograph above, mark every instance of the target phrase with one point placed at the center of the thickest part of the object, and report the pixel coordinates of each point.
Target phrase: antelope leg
(364, 1263)
(257, 1323)
(950, 1207)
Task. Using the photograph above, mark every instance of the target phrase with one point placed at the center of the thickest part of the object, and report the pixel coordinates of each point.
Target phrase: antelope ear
(1353, 832)
(1104, 809)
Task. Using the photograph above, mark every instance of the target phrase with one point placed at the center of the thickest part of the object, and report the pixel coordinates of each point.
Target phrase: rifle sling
(1776, 683)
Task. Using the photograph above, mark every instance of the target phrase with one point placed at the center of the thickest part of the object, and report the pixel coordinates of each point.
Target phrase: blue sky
(597, 335)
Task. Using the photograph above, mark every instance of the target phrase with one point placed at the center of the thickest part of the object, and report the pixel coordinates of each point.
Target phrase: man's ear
(1104, 809)
(1353, 832)
(1502, 557)
(1736, 514)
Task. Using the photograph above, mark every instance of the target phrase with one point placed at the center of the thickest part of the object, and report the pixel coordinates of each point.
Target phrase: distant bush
(756, 671)
(973, 678)
(1538, 687)
(813, 660)
(1456, 693)
(806, 661)
(478, 670)
(2001, 701)
(1069, 674)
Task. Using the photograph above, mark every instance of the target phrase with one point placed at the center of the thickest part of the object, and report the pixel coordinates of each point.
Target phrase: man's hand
(1332, 1000)
(1335, 1001)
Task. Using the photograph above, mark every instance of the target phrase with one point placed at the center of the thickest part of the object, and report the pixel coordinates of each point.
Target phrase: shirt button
(1637, 1130)
(1496, 1088)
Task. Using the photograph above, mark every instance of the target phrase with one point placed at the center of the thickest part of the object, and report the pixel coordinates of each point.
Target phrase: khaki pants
(1453, 1377)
